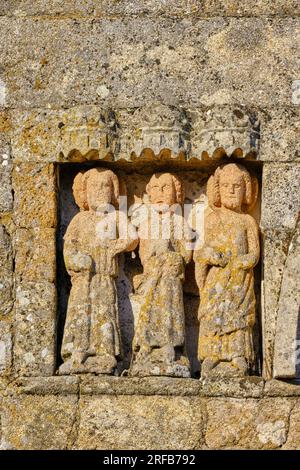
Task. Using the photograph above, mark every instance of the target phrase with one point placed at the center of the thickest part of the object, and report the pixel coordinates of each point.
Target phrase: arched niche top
(158, 132)
(149, 154)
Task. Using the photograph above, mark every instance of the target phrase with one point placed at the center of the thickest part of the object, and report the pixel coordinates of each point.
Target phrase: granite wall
(88, 82)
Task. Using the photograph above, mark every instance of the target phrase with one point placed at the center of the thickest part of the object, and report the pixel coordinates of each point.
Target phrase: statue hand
(215, 257)
(210, 256)
(244, 262)
(79, 262)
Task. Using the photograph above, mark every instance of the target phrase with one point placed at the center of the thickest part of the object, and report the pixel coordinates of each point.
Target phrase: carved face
(232, 189)
(99, 191)
(161, 189)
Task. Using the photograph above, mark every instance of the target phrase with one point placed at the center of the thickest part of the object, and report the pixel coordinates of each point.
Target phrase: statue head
(231, 187)
(165, 188)
(96, 188)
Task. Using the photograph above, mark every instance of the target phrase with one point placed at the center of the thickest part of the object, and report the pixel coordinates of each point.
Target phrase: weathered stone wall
(63, 64)
(100, 413)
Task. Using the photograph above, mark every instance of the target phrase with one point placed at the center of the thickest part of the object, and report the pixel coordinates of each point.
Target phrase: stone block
(54, 135)
(38, 423)
(6, 197)
(6, 272)
(274, 248)
(245, 387)
(293, 440)
(144, 59)
(35, 195)
(47, 385)
(279, 139)
(105, 385)
(247, 424)
(287, 338)
(119, 422)
(83, 133)
(34, 326)
(280, 196)
(153, 8)
(35, 258)
(280, 388)
(5, 348)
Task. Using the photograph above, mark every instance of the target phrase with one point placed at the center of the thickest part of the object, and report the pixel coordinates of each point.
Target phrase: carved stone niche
(155, 133)
(129, 147)
(151, 293)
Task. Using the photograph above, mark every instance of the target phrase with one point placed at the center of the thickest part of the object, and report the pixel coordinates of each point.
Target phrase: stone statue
(91, 340)
(224, 274)
(159, 340)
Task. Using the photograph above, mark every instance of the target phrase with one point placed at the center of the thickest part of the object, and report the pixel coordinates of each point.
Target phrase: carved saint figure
(159, 340)
(224, 274)
(91, 341)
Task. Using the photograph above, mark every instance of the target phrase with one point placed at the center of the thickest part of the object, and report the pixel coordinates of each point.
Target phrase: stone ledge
(45, 386)
(91, 385)
(280, 388)
(248, 387)
(150, 8)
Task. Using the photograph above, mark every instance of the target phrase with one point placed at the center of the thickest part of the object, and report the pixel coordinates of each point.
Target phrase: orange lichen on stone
(91, 341)
(159, 341)
(224, 273)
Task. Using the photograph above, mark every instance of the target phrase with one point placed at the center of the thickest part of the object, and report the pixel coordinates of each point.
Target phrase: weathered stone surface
(6, 198)
(221, 129)
(191, 81)
(158, 346)
(280, 388)
(293, 440)
(275, 249)
(35, 195)
(144, 60)
(46, 386)
(34, 422)
(246, 387)
(5, 347)
(52, 135)
(139, 386)
(280, 196)
(172, 8)
(109, 422)
(35, 258)
(34, 326)
(6, 272)
(93, 243)
(247, 424)
(279, 138)
(225, 276)
(287, 338)
(83, 133)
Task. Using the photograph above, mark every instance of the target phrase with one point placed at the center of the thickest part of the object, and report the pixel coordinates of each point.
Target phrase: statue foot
(142, 354)
(241, 365)
(74, 365)
(207, 366)
(101, 364)
(216, 369)
(166, 354)
(159, 364)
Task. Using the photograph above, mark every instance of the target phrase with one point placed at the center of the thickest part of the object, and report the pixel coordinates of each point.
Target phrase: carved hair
(213, 185)
(80, 186)
(177, 182)
(79, 192)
